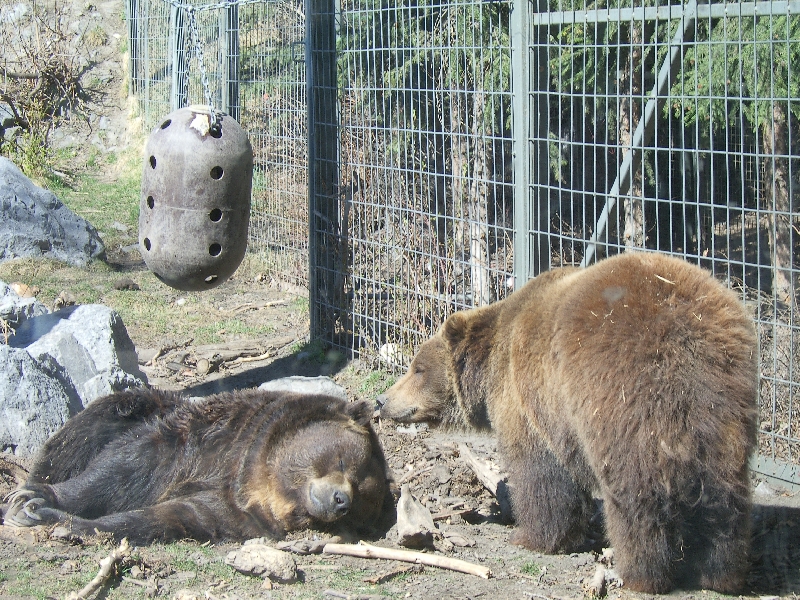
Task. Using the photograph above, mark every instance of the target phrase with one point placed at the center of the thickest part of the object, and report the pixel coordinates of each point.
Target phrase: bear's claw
(22, 509)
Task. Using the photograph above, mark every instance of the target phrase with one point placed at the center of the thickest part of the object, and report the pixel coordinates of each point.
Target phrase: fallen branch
(256, 306)
(265, 356)
(363, 550)
(103, 575)
(489, 478)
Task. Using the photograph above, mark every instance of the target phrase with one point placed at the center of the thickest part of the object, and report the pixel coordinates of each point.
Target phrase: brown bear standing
(151, 465)
(635, 378)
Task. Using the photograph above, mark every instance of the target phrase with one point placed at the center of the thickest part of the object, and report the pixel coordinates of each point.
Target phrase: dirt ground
(34, 566)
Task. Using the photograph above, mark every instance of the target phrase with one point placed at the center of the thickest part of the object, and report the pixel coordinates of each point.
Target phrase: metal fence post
(520, 84)
(323, 167)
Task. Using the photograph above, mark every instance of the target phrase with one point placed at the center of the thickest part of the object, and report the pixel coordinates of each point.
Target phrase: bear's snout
(329, 500)
(397, 409)
(341, 502)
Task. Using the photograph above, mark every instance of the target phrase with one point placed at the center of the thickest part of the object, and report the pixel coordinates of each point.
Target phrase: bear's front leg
(552, 511)
(203, 516)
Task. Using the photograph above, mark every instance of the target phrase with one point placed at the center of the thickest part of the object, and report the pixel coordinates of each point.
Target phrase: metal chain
(194, 36)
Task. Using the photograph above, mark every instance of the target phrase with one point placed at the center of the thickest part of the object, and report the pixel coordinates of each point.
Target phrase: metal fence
(418, 184)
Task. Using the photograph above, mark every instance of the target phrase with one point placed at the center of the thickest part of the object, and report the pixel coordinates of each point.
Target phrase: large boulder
(35, 223)
(33, 403)
(91, 346)
(55, 364)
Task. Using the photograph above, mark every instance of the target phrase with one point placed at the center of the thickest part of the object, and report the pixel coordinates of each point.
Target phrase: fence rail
(400, 179)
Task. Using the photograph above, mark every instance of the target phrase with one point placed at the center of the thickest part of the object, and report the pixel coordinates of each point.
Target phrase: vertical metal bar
(519, 32)
(131, 13)
(324, 293)
(230, 87)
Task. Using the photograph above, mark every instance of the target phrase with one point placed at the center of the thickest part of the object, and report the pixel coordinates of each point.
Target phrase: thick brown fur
(636, 379)
(151, 465)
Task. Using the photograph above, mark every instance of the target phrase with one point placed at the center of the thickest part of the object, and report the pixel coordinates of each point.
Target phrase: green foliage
(531, 568)
(751, 58)
(376, 382)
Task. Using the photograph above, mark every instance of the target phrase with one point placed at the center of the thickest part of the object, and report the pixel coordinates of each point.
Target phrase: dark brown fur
(229, 467)
(635, 378)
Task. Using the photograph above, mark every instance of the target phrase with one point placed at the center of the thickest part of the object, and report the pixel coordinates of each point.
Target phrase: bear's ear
(360, 412)
(454, 329)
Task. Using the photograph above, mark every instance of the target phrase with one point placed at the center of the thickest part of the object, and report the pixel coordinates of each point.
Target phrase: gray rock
(305, 385)
(35, 223)
(33, 403)
(89, 343)
(14, 310)
(55, 365)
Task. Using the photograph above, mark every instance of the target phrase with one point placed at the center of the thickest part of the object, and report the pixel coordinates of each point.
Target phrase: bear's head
(443, 385)
(332, 470)
(424, 392)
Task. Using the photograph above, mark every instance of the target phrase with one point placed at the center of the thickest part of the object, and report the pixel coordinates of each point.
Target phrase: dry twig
(363, 550)
(106, 567)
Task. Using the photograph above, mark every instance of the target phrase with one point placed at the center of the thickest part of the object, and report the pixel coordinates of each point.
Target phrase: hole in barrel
(166, 123)
(152, 162)
(216, 172)
(147, 244)
(215, 215)
(214, 249)
(150, 202)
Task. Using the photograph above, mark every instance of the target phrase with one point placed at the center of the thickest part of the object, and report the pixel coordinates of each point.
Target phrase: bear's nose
(341, 502)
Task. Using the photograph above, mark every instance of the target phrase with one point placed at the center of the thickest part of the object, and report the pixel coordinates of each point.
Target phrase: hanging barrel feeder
(195, 203)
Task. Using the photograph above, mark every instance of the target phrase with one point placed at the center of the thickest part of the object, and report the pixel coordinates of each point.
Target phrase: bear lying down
(634, 379)
(150, 465)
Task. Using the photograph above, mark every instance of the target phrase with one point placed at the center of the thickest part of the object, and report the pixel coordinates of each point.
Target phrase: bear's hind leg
(722, 534)
(552, 511)
(643, 533)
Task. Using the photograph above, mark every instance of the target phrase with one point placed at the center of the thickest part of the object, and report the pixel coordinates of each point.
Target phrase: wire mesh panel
(423, 225)
(247, 59)
(273, 100)
(675, 128)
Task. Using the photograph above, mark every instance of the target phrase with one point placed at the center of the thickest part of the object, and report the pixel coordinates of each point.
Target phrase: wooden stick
(106, 566)
(363, 550)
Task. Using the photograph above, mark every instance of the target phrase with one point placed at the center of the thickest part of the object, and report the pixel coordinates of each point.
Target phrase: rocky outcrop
(35, 223)
(55, 364)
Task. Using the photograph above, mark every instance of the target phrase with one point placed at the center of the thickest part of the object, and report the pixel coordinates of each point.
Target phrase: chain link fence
(399, 178)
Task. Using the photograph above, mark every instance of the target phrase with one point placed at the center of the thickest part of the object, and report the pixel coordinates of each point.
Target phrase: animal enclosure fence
(400, 179)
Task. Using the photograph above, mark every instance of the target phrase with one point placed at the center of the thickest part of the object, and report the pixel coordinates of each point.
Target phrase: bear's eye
(418, 370)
